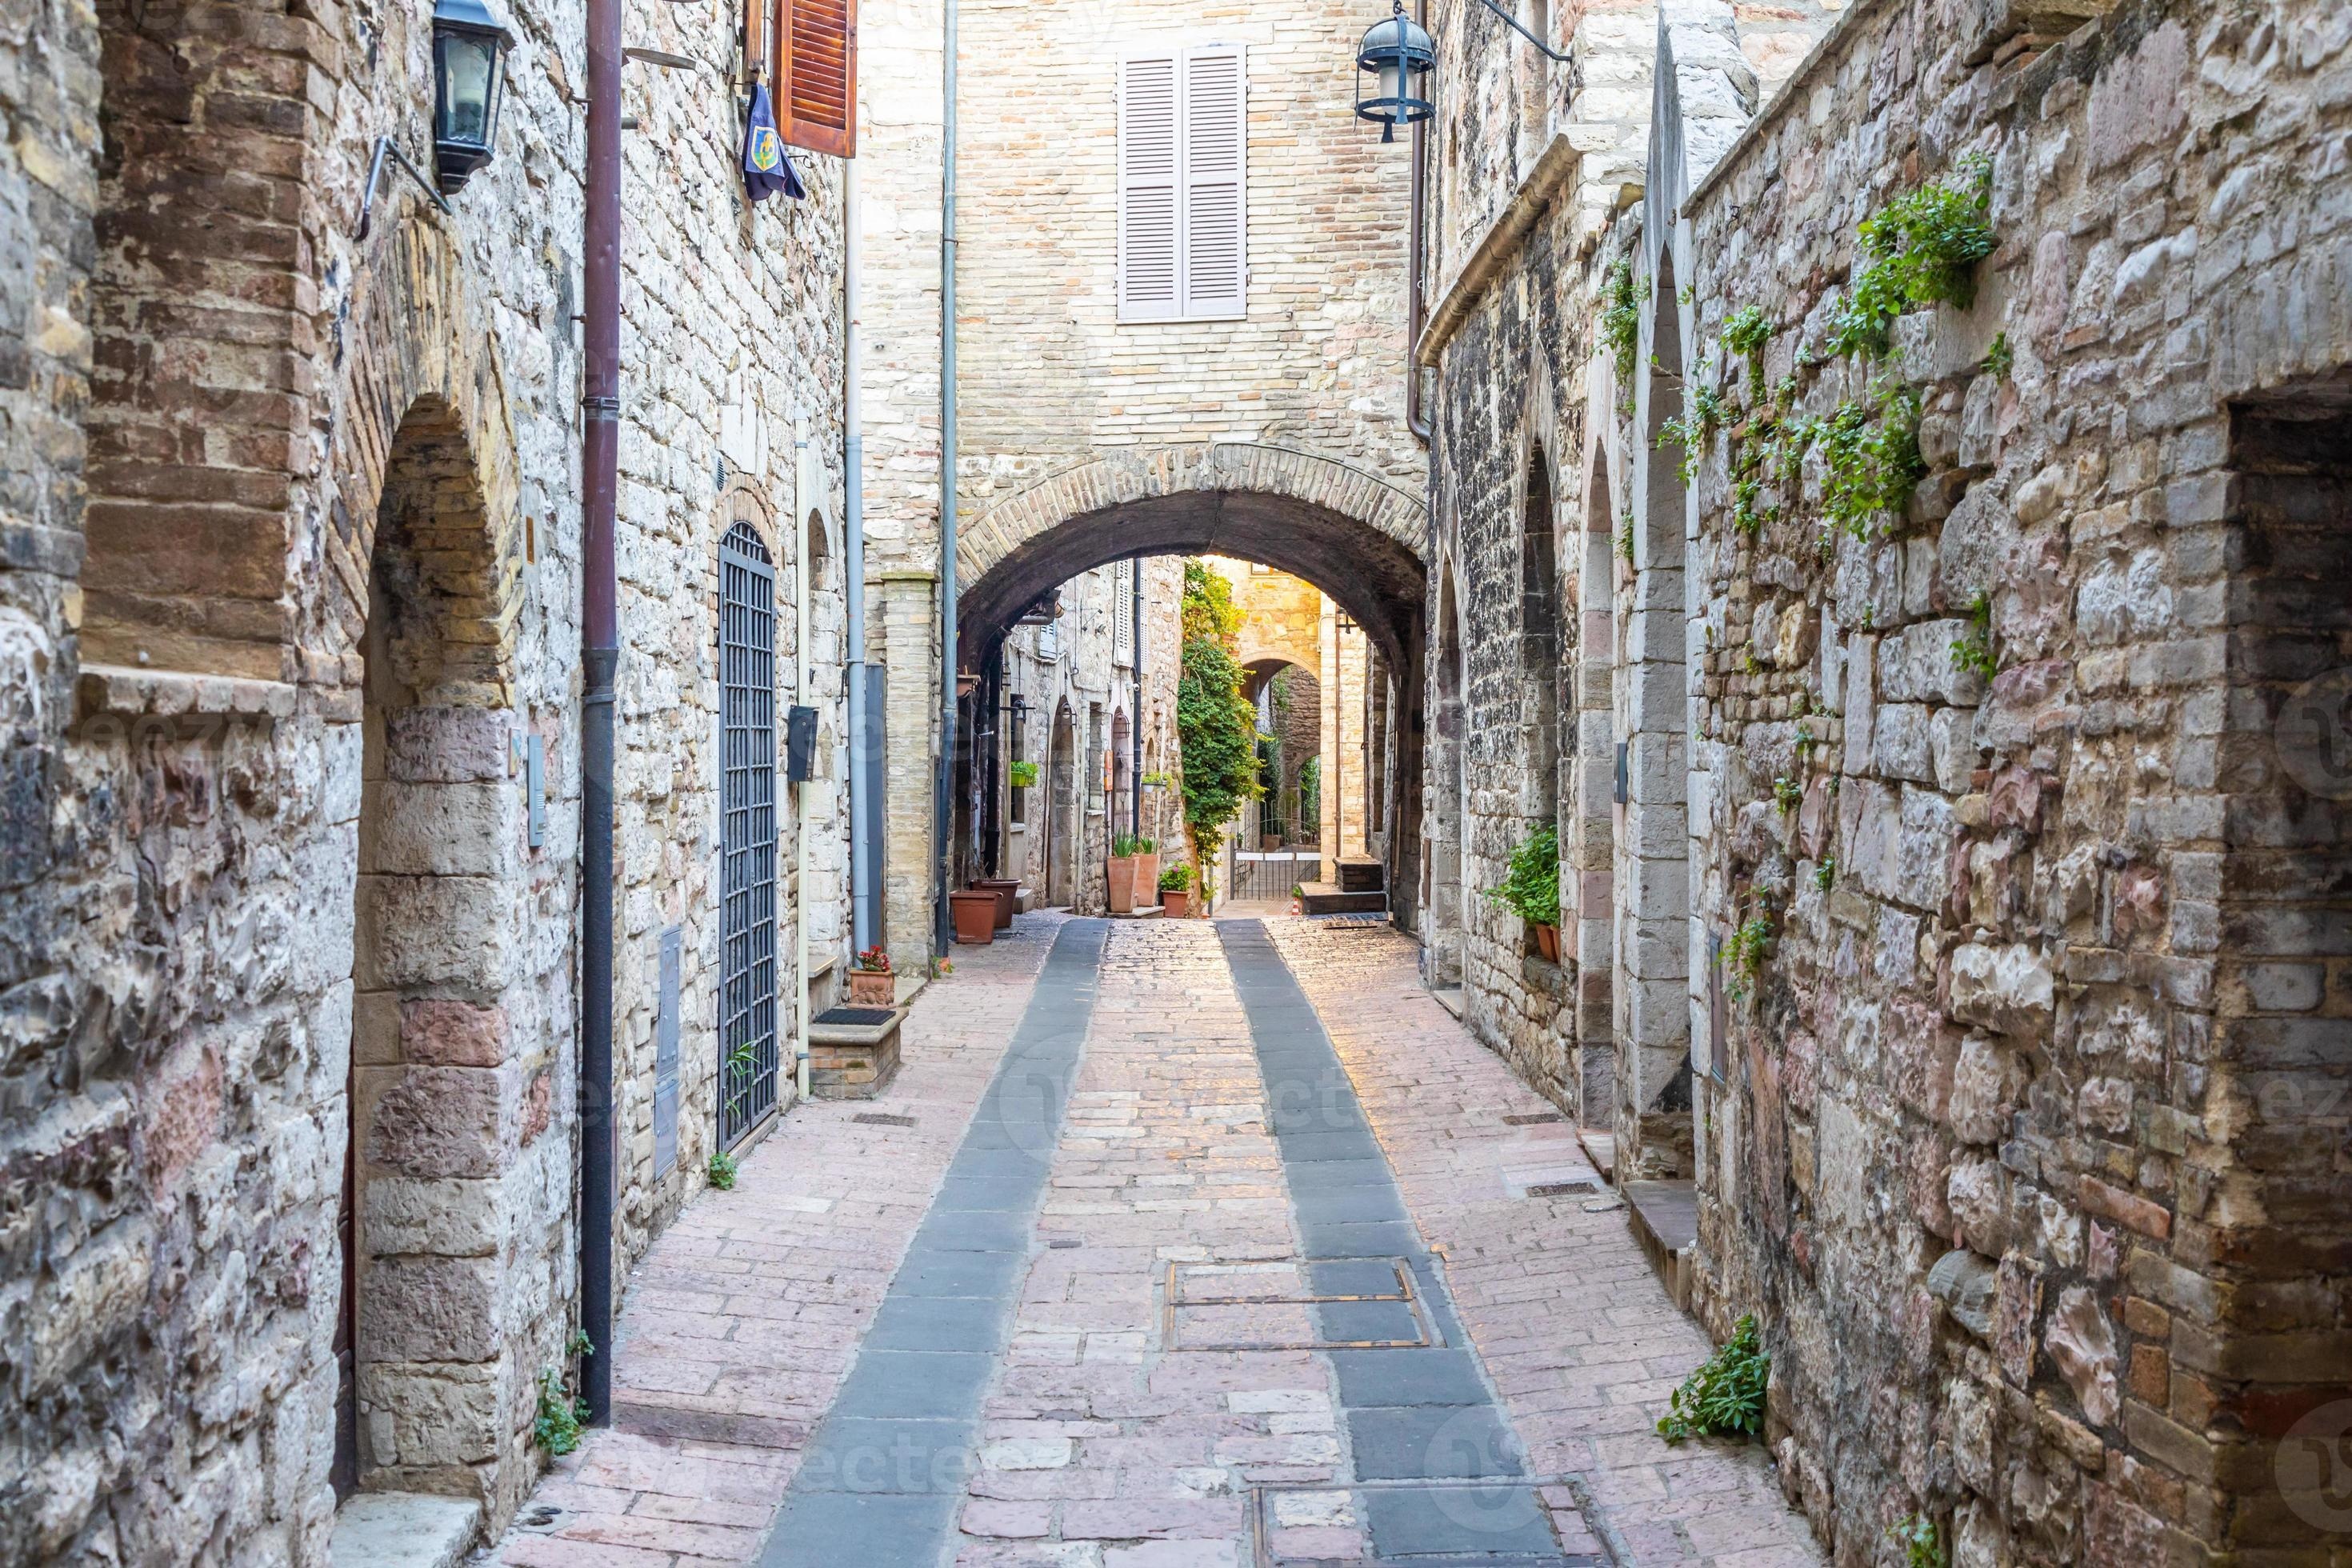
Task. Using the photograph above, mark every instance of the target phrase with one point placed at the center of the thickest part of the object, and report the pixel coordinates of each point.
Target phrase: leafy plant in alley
(1724, 1397)
(1532, 886)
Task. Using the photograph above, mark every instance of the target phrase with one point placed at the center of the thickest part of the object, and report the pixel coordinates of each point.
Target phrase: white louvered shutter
(1215, 138)
(1149, 230)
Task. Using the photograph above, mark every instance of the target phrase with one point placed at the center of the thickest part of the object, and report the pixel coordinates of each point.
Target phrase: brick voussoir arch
(421, 347)
(1124, 477)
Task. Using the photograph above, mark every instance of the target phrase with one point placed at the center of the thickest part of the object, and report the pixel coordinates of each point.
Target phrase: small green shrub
(1024, 774)
(1922, 250)
(1723, 1398)
(561, 1417)
(1923, 1546)
(1870, 458)
(1974, 651)
(1786, 793)
(1825, 874)
(1745, 333)
(2001, 359)
(1743, 956)
(1621, 325)
(723, 1171)
(1532, 888)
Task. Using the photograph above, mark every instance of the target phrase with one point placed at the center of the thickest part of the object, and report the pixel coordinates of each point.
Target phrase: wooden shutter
(816, 91)
(1148, 179)
(1215, 139)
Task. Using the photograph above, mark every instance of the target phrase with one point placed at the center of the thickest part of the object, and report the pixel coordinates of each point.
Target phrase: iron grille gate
(747, 808)
(1269, 875)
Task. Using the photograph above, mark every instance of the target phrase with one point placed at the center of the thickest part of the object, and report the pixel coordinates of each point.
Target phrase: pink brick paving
(740, 1324)
(1099, 1448)
(1575, 1330)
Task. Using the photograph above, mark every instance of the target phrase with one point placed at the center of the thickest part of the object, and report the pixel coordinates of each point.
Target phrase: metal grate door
(747, 807)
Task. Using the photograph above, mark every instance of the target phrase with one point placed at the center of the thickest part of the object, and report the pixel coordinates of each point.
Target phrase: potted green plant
(1147, 871)
(871, 984)
(1176, 891)
(1024, 774)
(1532, 888)
(1119, 873)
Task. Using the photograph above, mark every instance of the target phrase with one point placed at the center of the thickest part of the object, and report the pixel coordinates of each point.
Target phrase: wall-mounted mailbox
(800, 745)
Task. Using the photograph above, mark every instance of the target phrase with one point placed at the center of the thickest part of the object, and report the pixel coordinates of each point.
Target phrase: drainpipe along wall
(943, 804)
(601, 656)
(1416, 419)
(853, 569)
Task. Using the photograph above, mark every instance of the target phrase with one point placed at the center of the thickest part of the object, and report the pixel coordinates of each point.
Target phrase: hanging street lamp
(469, 58)
(1396, 53)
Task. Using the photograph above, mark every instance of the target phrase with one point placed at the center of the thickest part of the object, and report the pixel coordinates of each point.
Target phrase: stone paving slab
(1572, 1325)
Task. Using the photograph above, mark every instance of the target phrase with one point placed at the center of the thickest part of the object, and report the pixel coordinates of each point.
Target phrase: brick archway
(417, 338)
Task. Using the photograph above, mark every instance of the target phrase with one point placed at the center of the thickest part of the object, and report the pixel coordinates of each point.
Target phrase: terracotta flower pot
(975, 915)
(873, 988)
(1008, 894)
(1120, 875)
(1176, 902)
(1546, 940)
(1147, 879)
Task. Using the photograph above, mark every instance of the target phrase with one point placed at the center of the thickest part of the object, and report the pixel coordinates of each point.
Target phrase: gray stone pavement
(1233, 1262)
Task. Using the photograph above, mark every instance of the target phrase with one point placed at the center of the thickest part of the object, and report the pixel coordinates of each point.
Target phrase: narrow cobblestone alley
(923, 1344)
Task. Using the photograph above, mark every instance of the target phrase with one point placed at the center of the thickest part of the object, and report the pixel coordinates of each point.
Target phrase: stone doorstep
(1663, 1217)
(1448, 998)
(1600, 1148)
(1150, 912)
(403, 1529)
(1329, 899)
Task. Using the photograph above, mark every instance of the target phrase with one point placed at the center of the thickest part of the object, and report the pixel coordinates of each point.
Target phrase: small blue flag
(767, 167)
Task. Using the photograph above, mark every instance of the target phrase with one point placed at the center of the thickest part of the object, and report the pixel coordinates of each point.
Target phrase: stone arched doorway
(1353, 534)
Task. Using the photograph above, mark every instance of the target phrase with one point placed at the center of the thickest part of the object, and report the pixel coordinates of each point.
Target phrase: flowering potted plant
(871, 984)
(1176, 891)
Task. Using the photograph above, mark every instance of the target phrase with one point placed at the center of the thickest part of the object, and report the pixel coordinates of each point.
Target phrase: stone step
(1664, 1218)
(1331, 899)
(403, 1529)
(1361, 873)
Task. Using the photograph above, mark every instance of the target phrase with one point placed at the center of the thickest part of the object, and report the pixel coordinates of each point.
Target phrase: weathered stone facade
(1278, 435)
(1075, 684)
(1975, 870)
(289, 595)
(2055, 1013)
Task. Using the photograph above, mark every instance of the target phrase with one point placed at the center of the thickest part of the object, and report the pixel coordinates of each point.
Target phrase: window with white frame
(1183, 252)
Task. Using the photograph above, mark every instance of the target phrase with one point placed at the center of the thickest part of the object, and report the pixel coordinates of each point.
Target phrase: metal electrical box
(800, 745)
(1621, 794)
(666, 1010)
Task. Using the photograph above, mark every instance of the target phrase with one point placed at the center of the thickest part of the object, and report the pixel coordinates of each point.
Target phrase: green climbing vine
(1745, 333)
(1621, 325)
(1870, 457)
(1922, 250)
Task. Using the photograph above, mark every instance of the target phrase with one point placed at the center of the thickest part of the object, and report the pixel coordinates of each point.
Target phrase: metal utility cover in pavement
(1292, 1304)
(1494, 1523)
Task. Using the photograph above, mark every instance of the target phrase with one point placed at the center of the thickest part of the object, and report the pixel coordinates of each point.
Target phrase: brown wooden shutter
(816, 97)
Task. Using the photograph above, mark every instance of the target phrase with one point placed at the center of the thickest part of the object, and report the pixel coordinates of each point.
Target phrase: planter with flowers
(871, 984)
(1176, 891)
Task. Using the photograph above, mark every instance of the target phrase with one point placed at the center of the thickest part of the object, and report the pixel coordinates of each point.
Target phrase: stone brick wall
(2043, 944)
(263, 810)
(1049, 381)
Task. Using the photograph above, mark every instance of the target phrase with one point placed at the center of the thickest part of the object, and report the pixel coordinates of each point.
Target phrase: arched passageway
(1354, 535)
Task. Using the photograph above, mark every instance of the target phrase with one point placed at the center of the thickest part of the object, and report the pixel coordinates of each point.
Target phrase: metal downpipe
(943, 805)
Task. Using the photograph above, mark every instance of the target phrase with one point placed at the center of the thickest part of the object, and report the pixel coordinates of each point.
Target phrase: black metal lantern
(1397, 52)
(470, 61)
